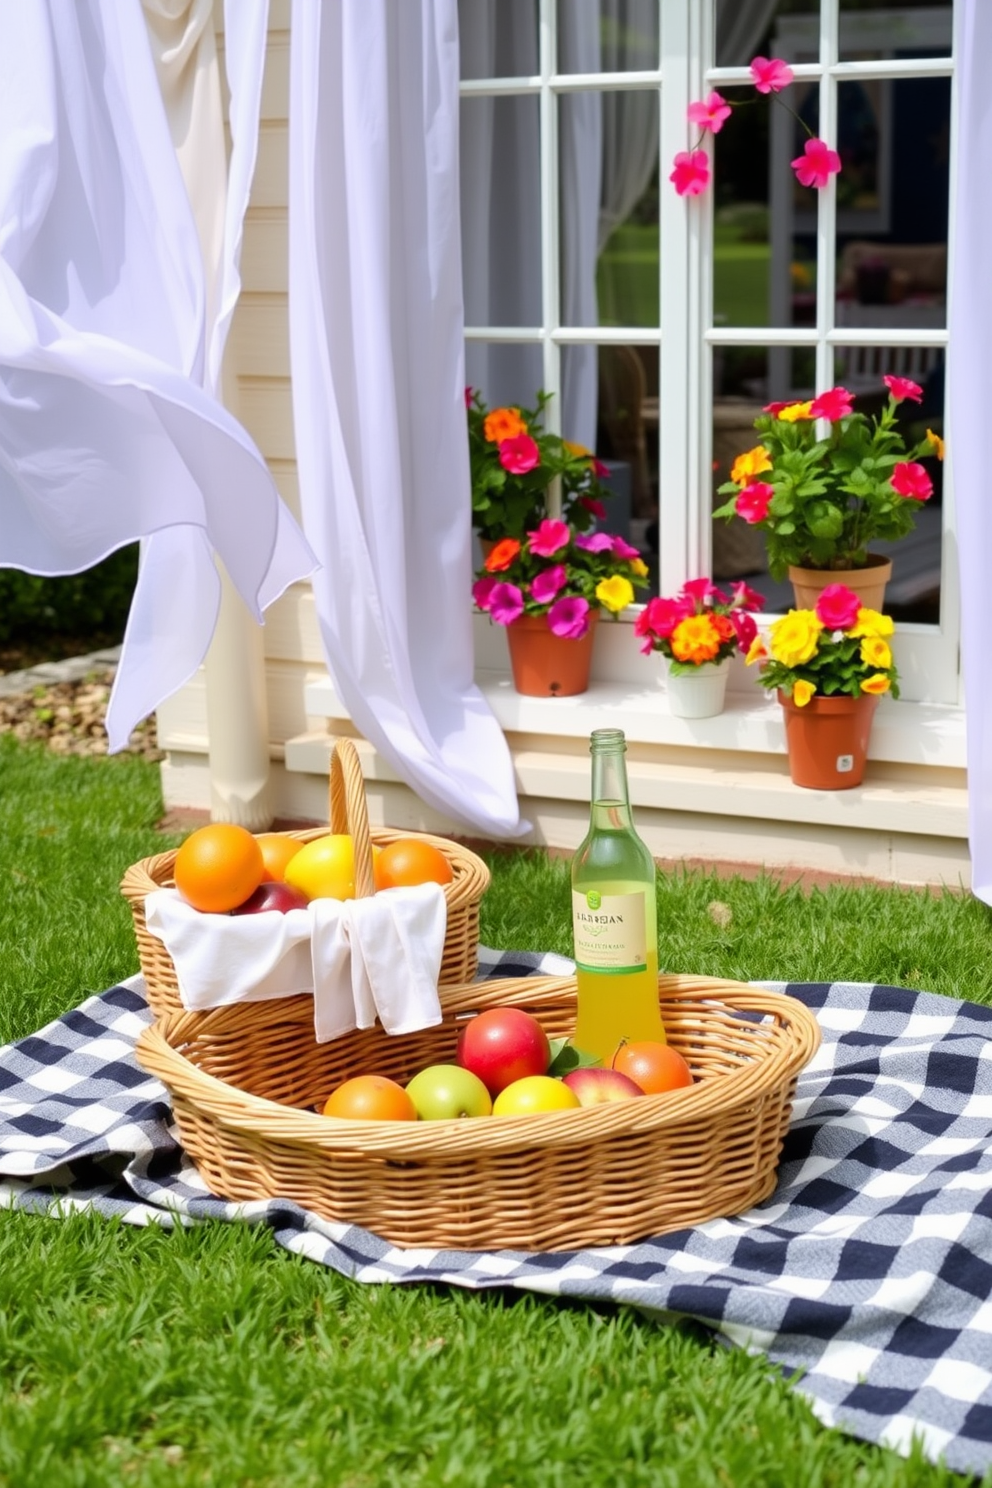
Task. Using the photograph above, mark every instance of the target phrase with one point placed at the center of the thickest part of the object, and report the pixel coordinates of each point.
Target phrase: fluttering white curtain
(107, 434)
(970, 327)
(376, 336)
(630, 119)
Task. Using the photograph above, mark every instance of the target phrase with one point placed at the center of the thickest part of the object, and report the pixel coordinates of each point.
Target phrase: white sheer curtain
(106, 433)
(376, 335)
(970, 327)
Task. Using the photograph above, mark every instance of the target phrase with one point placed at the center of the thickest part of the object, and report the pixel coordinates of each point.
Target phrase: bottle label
(609, 931)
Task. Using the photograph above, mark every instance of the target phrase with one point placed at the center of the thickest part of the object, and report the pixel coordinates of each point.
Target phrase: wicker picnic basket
(348, 812)
(246, 1082)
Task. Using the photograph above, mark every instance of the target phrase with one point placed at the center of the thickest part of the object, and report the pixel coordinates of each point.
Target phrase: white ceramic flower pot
(699, 693)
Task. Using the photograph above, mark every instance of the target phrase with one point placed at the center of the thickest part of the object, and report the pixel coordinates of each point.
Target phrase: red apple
(502, 1045)
(272, 896)
(596, 1087)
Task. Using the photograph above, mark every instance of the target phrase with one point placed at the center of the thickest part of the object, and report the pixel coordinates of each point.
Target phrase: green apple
(443, 1092)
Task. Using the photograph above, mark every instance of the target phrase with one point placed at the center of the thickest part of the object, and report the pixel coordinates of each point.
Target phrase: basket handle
(348, 811)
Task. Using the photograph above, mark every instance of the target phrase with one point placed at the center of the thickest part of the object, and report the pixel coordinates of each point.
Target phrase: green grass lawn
(212, 1357)
(628, 270)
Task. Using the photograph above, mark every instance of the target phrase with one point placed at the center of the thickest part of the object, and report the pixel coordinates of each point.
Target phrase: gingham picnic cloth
(867, 1275)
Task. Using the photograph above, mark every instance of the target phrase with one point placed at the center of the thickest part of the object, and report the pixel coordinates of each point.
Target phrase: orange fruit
(409, 861)
(371, 1098)
(277, 849)
(218, 867)
(654, 1067)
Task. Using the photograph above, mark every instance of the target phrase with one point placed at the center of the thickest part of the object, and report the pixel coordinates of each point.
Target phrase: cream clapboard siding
(717, 789)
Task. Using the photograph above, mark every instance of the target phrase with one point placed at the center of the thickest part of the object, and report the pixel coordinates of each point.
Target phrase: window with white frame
(662, 324)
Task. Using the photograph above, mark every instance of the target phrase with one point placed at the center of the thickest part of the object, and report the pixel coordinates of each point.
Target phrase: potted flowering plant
(829, 666)
(514, 460)
(698, 632)
(549, 589)
(820, 501)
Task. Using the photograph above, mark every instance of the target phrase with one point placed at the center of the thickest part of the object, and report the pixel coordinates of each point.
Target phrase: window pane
(744, 31)
(600, 36)
(916, 28)
(501, 211)
(627, 424)
(498, 38)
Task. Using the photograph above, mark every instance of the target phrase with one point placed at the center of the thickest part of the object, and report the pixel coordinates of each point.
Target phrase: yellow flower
(639, 568)
(751, 463)
(872, 623)
(876, 685)
(937, 442)
(577, 449)
(875, 652)
(802, 691)
(615, 593)
(793, 413)
(757, 651)
(795, 637)
(695, 639)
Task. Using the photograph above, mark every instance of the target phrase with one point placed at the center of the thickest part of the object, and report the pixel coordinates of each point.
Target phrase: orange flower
(695, 639)
(724, 627)
(502, 555)
(503, 423)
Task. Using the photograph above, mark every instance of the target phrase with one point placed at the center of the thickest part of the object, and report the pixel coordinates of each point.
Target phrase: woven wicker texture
(348, 812)
(246, 1082)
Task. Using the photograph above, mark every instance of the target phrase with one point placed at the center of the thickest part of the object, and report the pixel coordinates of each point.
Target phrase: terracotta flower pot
(828, 740)
(546, 665)
(868, 583)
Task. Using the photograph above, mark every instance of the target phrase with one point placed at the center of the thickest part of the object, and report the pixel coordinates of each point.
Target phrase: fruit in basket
(277, 850)
(324, 868)
(597, 1087)
(271, 895)
(533, 1094)
(443, 1092)
(409, 861)
(370, 1098)
(502, 1045)
(218, 867)
(655, 1067)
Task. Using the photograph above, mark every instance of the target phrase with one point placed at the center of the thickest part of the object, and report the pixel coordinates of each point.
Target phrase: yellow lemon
(324, 868)
(532, 1094)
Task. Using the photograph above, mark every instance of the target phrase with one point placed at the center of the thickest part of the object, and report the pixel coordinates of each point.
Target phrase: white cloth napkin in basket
(361, 958)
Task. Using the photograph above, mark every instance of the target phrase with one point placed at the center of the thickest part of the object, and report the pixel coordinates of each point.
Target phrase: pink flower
(776, 408)
(698, 591)
(745, 598)
(549, 538)
(834, 405)
(744, 628)
(519, 454)
(692, 172)
(547, 584)
(752, 503)
(468, 397)
(594, 542)
(816, 165)
(910, 479)
(711, 114)
(623, 549)
(837, 607)
(659, 618)
(771, 74)
(569, 618)
(506, 603)
(482, 591)
(599, 470)
(594, 505)
(903, 387)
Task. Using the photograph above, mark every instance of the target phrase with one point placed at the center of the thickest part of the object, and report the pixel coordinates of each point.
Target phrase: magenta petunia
(698, 591)
(837, 607)
(469, 393)
(816, 164)
(910, 479)
(569, 618)
(771, 74)
(519, 454)
(752, 503)
(594, 542)
(506, 603)
(482, 591)
(902, 388)
(691, 174)
(745, 598)
(593, 505)
(776, 408)
(660, 616)
(549, 537)
(833, 405)
(711, 113)
(745, 628)
(623, 549)
(547, 584)
(599, 470)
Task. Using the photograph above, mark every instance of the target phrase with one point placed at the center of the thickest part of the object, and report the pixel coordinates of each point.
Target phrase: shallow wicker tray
(348, 812)
(245, 1081)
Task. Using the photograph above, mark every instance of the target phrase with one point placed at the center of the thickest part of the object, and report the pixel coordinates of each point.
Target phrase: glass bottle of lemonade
(614, 914)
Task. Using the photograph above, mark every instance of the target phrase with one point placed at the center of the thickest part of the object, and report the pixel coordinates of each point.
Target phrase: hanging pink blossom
(547, 584)
(837, 607)
(752, 503)
(745, 628)
(482, 591)
(902, 388)
(692, 172)
(594, 505)
(506, 603)
(711, 113)
(623, 549)
(569, 618)
(833, 405)
(549, 538)
(594, 542)
(746, 598)
(771, 74)
(816, 165)
(519, 454)
(910, 479)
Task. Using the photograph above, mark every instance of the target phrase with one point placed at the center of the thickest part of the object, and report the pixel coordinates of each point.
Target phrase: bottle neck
(610, 793)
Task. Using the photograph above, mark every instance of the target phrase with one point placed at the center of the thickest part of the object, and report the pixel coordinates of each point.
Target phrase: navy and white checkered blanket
(869, 1270)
